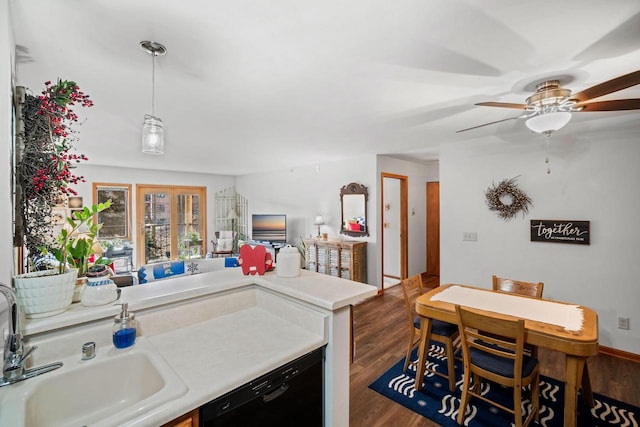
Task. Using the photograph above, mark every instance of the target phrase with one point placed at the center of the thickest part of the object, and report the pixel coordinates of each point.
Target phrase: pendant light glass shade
(152, 127)
(152, 135)
(548, 122)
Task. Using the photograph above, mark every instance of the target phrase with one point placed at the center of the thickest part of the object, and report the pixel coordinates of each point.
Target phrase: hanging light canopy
(152, 127)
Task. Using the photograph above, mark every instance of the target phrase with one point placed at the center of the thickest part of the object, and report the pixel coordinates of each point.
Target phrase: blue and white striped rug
(435, 401)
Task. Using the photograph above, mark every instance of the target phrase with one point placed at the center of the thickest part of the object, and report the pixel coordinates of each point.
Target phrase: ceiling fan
(550, 107)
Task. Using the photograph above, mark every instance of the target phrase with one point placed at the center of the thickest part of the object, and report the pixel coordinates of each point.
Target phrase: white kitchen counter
(321, 290)
(219, 330)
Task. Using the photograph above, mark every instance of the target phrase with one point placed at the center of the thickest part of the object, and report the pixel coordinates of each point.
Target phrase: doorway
(394, 228)
(170, 223)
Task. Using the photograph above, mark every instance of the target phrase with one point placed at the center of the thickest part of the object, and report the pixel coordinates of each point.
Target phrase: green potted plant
(76, 242)
(191, 240)
(51, 291)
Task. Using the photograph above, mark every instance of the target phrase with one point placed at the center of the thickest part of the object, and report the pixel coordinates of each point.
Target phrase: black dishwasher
(291, 395)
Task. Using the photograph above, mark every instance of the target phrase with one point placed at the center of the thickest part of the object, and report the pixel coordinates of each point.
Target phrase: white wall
(593, 177)
(302, 193)
(306, 191)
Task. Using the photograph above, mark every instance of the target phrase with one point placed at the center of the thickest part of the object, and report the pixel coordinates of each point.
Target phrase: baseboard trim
(620, 354)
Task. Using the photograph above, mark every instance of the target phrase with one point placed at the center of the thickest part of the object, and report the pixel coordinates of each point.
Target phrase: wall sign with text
(560, 231)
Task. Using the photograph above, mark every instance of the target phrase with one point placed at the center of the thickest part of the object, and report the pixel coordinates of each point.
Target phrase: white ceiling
(250, 86)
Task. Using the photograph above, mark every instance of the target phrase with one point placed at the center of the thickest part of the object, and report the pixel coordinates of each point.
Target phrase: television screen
(269, 227)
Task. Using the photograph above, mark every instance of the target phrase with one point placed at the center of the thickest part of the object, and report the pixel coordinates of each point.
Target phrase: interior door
(433, 228)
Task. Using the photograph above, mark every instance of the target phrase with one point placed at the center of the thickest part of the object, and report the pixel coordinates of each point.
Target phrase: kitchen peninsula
(210, 333)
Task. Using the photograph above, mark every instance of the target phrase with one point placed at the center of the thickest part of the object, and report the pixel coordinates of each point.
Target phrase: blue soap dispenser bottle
(124, 328)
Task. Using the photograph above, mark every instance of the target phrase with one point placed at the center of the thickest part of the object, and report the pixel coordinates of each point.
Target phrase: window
(171, 222)
(116, 221)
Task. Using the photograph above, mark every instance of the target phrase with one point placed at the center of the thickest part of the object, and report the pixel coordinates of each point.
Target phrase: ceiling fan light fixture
(548, 122)
(550, 107)
(152, 127)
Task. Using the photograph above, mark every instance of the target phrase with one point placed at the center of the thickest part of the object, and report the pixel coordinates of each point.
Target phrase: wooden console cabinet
(345, 259)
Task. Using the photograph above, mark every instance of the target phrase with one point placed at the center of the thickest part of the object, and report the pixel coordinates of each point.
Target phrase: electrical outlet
(469, 236)
(624, 323)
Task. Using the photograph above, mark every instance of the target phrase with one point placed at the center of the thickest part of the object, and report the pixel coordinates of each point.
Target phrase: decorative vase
(288, 262)
(100, 288)
(45, 293)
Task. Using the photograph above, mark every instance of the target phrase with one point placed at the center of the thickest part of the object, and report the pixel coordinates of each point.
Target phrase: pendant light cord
(154, 49)
(546, 160)
(153, 83)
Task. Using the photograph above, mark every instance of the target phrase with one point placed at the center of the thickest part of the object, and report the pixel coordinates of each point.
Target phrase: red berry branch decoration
(45, 167)
(55, 105)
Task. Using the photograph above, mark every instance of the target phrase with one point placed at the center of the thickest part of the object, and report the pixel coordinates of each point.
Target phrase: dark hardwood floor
(381, 336)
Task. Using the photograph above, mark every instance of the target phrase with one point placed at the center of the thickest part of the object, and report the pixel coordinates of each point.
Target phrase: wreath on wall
(507, 199)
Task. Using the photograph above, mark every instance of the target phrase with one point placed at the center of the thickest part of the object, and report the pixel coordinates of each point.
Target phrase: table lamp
(318, 221)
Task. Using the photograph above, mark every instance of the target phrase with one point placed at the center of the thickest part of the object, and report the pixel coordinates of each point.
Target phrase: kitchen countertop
(227, 352)
(216, 330)
(324, 291)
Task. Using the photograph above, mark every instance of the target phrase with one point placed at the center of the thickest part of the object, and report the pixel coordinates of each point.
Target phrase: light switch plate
(469, 236)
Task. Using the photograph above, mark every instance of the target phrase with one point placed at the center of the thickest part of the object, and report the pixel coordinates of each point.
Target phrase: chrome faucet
(14, 361)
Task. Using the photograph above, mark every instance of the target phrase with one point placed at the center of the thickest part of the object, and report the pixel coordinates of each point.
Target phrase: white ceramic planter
(288, 262)
(45, 293)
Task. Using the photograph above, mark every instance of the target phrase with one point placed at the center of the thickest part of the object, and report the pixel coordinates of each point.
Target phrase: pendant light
(152, 128)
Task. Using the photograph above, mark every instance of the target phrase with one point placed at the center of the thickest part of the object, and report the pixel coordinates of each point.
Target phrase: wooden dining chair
(519, 287)
(443, 332)
(499, 358)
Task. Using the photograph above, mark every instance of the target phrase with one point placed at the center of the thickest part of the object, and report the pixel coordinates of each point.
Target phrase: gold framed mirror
(353, 203)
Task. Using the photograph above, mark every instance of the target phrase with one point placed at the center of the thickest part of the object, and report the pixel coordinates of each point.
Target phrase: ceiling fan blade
(503, 105)
(490, 123)
(614, 105)
(607, 87)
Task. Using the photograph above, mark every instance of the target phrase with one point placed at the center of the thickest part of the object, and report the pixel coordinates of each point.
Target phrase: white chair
(223, 243)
